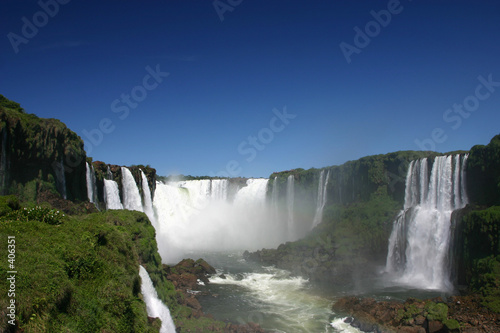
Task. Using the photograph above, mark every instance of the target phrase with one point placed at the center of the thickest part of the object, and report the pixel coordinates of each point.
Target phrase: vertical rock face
(483, 170)
(39, 154)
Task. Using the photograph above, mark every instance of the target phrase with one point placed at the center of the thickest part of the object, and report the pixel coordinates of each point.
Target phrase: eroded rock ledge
(457, 314)
(186, 276)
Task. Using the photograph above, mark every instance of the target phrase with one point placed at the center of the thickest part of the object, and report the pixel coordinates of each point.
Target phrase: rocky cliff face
(483, 173)
(38, 154)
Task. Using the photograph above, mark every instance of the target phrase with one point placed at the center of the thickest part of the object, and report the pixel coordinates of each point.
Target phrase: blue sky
(256, 86)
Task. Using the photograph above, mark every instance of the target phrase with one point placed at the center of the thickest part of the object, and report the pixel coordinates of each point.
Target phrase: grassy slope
(82, 275)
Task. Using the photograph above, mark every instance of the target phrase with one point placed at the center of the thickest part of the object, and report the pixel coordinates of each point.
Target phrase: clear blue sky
(227, 76)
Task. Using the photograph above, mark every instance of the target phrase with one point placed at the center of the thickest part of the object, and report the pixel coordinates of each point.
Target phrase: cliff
(39, 155)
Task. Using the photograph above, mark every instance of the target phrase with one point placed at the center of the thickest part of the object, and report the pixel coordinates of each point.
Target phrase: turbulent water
(247, 292)
(419, 243)
(204, 218)
(154, 305)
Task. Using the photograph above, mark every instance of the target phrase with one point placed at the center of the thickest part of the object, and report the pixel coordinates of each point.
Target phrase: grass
(82, 275)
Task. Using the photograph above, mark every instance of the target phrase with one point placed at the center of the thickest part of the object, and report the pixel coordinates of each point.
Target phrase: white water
(290, 198)
(198, 216)
(148, 202)
(91, 184)
(419, 242)
(112, 195)
(155, 307)
(321, 200)
(131, 196)
(268, 296)
(342, 327)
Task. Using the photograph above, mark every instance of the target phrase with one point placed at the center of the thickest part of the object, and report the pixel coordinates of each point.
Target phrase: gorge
(398, 225)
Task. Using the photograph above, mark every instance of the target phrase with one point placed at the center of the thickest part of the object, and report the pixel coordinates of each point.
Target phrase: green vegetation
(82, 275)
(38, 213)
(483, 173)
(37, 153)
(361, 230)
(10, 105)
(8, 204)
(481, 253)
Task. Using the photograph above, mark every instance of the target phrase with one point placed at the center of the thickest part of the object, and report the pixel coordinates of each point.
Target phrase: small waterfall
(419, 242)
(155, 307)
(109, 174)
(91, 184)
(112, 195)
(60, 177)
(274, 200)
(321, 200)
(131, 196)
(290, 192)
(148, 202)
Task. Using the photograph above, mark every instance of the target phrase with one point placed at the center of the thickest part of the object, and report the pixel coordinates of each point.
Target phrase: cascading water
(148, 202)
(131, 196)
(91, 184)
(218, 189)
(419, 242)
(197, 215)
(60, 177)
(290, 198)
(155, 307)
(321, 200)
(112, 195)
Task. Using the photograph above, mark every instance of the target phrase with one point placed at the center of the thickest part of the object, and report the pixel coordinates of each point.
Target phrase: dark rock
(435, 326)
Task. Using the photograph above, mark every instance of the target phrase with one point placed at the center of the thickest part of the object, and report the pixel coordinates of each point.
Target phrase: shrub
(38, 213)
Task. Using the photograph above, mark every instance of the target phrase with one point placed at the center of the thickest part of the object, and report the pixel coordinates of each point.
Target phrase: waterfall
(148, 202)
(321, 200)
(60, 177)
(290, 192)
(274, 199)
(91, 184)
(419, 242)
(131, 196)
(109, 174)
(155, 307)
(218, 189)
(197, 215)
(112, 195)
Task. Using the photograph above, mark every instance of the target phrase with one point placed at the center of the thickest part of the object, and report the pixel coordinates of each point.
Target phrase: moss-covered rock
(38, 154)
(483, 173)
